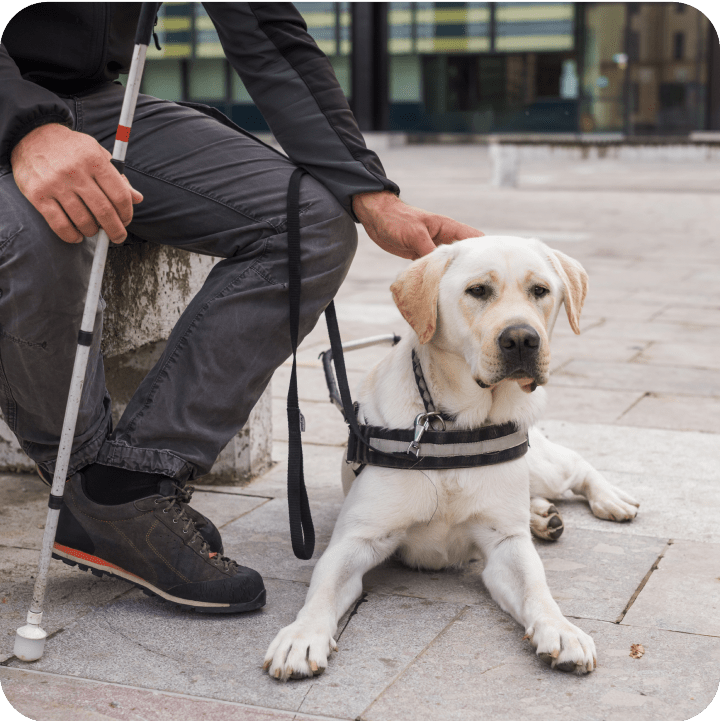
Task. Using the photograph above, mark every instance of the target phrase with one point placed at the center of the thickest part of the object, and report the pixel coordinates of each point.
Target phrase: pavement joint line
(647, 394)
(210, 699)
(646, 578)
(412, 662)
(206, 489)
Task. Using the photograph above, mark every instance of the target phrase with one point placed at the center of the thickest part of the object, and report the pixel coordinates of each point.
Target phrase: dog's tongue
(528, 385)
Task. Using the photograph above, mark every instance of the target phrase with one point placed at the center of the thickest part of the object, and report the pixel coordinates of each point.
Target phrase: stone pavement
(638, 393)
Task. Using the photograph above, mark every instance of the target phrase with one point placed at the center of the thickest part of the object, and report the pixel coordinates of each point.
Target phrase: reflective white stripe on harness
(453, 449)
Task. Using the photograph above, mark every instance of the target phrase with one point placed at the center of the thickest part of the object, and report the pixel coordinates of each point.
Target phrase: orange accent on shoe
(212, 555)
(81, 556)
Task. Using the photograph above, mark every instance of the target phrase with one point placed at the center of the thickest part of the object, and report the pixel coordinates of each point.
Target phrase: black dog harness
(420, 448)
(425, 447)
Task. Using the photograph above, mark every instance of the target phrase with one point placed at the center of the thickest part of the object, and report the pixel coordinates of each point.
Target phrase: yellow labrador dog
(483, 310)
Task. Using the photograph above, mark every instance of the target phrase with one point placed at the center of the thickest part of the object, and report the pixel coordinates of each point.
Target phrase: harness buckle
(423, 421)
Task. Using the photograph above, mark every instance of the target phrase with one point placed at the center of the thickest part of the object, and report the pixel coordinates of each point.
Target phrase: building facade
(632, 68)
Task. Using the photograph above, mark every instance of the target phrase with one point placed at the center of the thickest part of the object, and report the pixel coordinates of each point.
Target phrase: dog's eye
(540, 291)
(478, 291)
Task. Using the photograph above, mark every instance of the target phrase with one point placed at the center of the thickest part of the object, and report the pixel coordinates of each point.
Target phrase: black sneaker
(154, 544)
(204, 525)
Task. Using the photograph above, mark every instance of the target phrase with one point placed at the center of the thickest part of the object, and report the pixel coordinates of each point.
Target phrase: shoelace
(183, 495)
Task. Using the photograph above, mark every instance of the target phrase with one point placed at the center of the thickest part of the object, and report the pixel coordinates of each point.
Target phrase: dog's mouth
(528, 383)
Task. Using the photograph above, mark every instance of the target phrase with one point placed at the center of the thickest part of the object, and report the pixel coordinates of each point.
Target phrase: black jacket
(52, 49)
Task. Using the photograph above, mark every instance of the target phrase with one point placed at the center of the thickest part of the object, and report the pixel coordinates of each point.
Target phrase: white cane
(30, 639)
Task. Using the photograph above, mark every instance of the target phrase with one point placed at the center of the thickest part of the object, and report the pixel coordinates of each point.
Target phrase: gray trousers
(208, 188)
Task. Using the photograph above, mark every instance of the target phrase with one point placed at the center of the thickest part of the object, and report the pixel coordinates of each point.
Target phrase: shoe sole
(98, 567)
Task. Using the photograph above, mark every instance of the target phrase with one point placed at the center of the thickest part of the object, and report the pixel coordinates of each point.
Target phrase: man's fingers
(137, 196)
(447, 230)
(423, 244)
(105, 213)
(59, 222)
(80, 216)
(118, 191)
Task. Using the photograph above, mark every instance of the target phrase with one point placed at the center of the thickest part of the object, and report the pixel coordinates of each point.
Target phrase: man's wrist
(371, 201)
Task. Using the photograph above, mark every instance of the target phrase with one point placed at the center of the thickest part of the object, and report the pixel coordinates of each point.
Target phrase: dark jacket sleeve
(294, 86)
(24, 106)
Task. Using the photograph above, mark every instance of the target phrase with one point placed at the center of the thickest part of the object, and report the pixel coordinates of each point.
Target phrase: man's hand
(403, 230)
(68, 177)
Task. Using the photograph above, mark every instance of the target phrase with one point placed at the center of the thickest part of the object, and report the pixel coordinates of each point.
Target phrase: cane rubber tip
(29, 642)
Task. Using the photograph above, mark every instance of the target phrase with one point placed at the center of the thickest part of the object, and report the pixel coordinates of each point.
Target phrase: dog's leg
(515, 577)
(363, 537)
(554, 469)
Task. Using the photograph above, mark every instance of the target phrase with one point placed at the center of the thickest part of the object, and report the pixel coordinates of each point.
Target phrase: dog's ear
(415, 293)
(575, 280)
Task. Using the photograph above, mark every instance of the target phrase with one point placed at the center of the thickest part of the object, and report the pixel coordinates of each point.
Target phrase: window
(678, 46)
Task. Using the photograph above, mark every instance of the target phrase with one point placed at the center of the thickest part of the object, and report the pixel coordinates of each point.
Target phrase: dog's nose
(519, 343)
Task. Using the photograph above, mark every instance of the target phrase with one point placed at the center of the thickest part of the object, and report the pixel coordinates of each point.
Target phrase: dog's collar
(423, 447)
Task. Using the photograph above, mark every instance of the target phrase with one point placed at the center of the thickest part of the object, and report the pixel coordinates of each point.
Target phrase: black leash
(302, 533)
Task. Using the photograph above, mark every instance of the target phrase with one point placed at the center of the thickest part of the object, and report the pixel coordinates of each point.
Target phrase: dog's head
(494, 300)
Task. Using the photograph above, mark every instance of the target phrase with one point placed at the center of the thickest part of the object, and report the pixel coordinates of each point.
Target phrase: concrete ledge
(146, 287)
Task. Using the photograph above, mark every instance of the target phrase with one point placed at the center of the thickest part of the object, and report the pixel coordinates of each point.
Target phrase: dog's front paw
(298, 651)
(563, 645)
(613, 504)
(545, 520)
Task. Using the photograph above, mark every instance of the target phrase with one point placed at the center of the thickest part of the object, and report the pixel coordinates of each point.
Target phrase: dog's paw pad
(545, 520)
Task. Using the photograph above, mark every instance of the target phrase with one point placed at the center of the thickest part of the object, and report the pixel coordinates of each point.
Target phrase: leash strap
(302, 532)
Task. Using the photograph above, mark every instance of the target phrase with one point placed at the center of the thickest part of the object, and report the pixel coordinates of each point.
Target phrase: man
(198, 183)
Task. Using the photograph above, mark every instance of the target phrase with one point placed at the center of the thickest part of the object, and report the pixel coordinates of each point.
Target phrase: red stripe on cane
(123, 134)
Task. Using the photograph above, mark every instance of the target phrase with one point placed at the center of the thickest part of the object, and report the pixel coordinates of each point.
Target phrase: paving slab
(223, 508)
(324, 424)
(45, 697)
(480, 668)
(681, 413)
(23, 510)
(591, 574)
(221, 657)
(694, 355)
(623, 309)
(70, 595)
(683, 594)
(613, 329)
(684, 508)
(142, 642)
(639, 377)
(261, 539)
(649, 451)
(311, 384)
(385, 635)
(565, 347)
(694, 314)
(587, 405)
(322, 474)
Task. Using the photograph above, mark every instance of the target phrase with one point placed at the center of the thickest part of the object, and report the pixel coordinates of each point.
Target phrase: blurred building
(635, 68)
